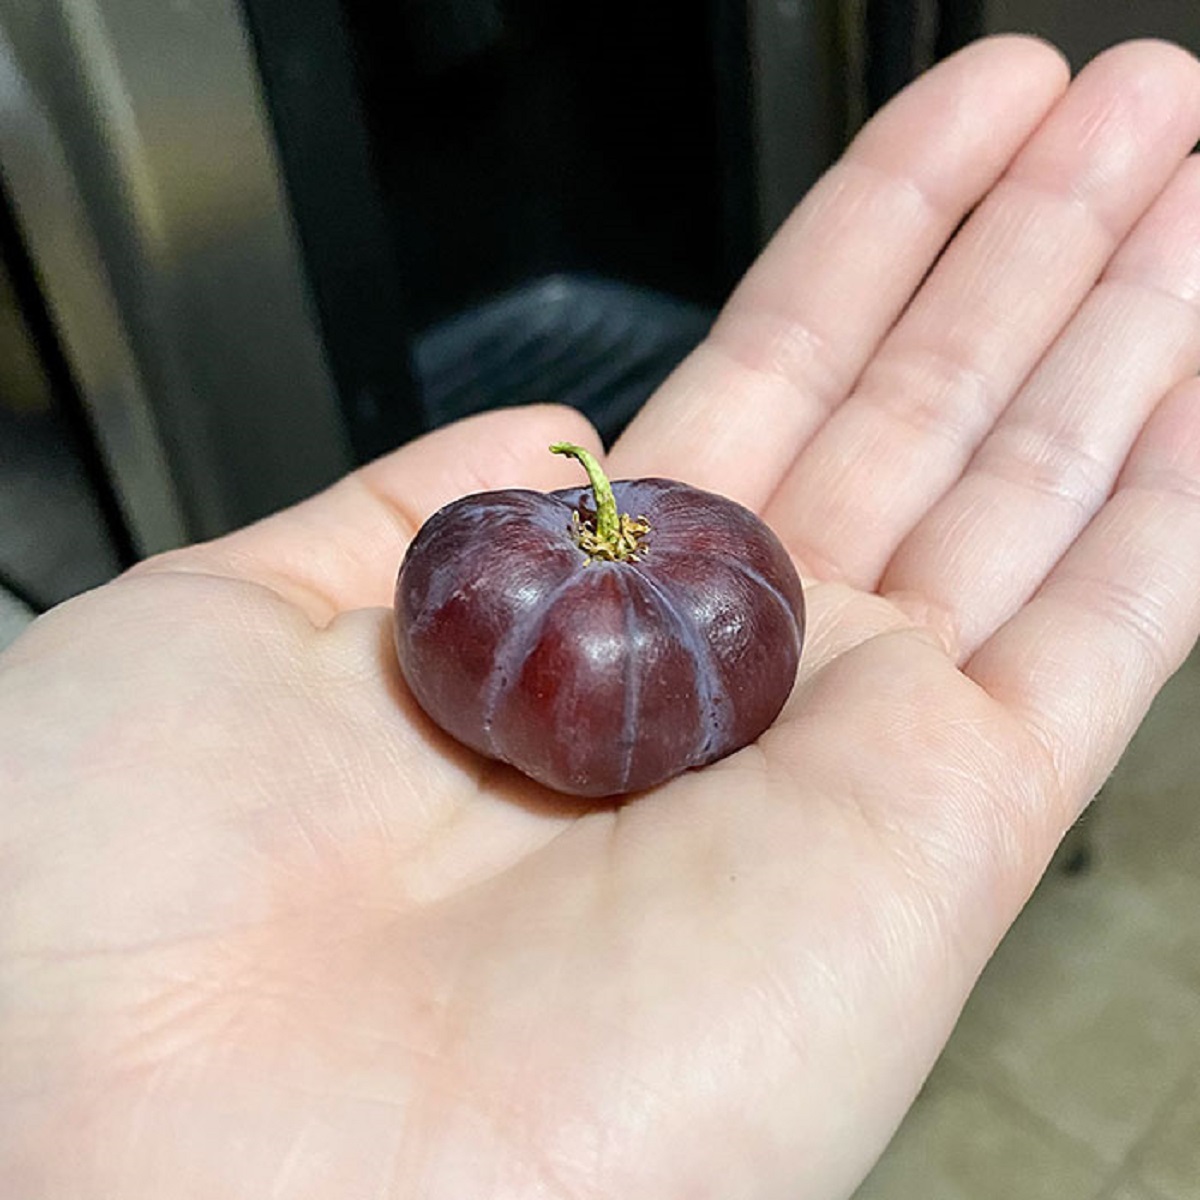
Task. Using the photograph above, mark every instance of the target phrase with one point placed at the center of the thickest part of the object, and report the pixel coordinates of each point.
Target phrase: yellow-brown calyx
(609, 536)
(627, 544)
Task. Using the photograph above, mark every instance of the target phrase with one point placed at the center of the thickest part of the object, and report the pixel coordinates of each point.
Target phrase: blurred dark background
(245, 246)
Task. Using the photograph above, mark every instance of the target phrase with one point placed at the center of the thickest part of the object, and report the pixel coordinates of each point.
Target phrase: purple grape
(597, 651)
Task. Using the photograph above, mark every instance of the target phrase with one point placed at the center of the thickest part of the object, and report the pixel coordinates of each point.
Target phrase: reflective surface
(54, 536)
(805, 61)
(138, 160)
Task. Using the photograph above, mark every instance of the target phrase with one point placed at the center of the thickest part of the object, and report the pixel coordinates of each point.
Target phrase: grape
(601, 640)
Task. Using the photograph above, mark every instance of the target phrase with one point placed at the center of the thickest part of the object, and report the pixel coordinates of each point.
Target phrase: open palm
(265, 932)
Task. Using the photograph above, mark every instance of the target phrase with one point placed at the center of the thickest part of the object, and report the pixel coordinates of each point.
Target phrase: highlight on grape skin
(600, 639)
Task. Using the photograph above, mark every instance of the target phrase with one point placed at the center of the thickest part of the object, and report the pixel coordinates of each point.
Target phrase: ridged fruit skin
(599, 678)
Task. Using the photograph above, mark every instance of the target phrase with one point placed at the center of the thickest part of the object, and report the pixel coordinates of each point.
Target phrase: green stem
(608, 520)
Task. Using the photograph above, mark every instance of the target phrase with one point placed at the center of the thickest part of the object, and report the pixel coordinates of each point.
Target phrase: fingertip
(1155, 73)
(978, 106)
(1015, 61)
(1031, 48)
(1148, 52)
(1121, 130)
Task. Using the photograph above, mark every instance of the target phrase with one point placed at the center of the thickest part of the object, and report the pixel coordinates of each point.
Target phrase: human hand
(265, 932)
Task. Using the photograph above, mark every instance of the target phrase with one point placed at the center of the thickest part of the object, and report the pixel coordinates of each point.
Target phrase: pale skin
(266, 933)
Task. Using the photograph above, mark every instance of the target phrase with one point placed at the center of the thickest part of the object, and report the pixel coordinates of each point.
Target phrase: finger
(1053, 458)
(341, 549)
(1000, 295)
(1081, 662)
(810, 313)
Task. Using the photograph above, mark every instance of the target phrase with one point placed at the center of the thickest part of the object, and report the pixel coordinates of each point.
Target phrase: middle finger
(1001, 294)
(1052, 459)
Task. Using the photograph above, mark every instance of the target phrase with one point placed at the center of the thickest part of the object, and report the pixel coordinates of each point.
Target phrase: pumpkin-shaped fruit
(598, 651)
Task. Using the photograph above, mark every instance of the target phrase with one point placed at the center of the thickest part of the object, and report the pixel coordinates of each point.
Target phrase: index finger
(809, 314)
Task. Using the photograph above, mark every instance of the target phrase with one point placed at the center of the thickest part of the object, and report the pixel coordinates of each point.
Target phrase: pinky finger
(1081, 662)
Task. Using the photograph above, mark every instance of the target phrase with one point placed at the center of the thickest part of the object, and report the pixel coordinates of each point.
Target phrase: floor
(54, 542)
(14, 616)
